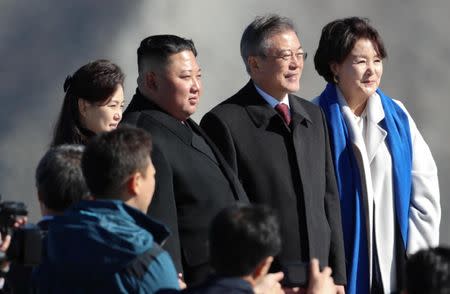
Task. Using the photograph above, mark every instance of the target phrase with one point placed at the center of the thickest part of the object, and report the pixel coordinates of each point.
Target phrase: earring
(336, 79)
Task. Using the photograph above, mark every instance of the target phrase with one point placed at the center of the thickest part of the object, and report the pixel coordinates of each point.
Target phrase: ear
(82, 106)
(133, 183)
(253, 63)
(262, 268)
(334, 67)
(151, 80)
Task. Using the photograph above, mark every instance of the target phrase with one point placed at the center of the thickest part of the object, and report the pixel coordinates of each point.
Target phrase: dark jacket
(105, 246)
(287, 167)
(193, 183)
(221, 285)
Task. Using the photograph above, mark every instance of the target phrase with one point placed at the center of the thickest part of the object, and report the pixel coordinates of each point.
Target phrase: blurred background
(41, 42)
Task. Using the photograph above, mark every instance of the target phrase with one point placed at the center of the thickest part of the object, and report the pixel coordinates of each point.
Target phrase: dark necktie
(283, 110)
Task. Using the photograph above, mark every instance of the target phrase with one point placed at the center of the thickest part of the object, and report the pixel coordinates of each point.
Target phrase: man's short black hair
(158, 48)
(241, 237)
(111, 158)
(428, 271)
(59, 179)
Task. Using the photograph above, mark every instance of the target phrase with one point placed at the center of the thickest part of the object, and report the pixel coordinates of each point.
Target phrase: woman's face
(102, 118)
(359, 75)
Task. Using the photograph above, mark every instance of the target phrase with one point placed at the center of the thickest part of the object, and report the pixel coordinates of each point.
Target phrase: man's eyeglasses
(289, 55)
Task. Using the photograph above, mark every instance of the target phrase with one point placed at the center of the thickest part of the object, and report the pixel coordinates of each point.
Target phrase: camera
(26, 241)
(9, 212)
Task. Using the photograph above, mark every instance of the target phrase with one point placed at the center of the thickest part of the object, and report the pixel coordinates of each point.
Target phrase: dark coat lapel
(261, 113)
(232, 178)
(141, 104)
(198, 144)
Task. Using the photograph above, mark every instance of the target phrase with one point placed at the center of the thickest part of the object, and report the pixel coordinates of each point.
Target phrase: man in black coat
(193, 181)
(281, 153)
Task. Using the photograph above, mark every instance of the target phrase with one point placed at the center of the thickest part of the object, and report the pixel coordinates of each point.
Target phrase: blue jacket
(105, 246)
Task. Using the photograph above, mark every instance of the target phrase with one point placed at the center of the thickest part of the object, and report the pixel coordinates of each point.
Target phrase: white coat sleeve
(425, 208)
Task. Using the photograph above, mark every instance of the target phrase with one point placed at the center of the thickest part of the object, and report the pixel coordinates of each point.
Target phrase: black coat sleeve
(163, 206)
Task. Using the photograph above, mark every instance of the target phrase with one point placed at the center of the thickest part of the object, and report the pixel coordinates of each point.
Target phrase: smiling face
(278, 72)
(359, 75)
(177, 86)
(102, 118)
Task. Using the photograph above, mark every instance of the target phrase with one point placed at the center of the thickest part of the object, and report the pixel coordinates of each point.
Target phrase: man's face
(278, 72)
(178, 85)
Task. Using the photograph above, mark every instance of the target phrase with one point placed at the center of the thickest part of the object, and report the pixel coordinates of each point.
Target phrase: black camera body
(9, 212)
(26, 245)
(26, 241)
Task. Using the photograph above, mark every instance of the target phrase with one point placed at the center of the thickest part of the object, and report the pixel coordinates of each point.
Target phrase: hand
(181, 282)
(269, 284)
(5, 241)
(294, 290)
(320, 282)
(340, 289)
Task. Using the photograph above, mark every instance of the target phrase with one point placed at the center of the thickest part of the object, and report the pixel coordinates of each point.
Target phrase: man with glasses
(277, 143)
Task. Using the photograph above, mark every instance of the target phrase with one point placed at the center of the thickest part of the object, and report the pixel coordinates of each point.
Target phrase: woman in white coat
(386, 174)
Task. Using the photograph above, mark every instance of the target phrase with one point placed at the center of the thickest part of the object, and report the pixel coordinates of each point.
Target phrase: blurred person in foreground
(428, 271)
(193, 181)
(243, 242)
(278, 145)
(386, 175)
(60, 184)
(93, 103)
(109, 245)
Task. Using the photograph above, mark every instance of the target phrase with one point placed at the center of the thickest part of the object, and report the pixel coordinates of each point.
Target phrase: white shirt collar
(271, 100)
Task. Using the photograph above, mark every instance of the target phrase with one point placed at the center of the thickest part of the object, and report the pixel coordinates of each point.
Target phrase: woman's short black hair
(338, 39)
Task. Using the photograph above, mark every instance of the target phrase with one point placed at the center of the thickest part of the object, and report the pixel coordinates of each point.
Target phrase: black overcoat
(289, 168)
(192, 185)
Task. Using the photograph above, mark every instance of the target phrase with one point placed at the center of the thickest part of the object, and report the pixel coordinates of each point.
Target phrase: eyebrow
(289, 49)
(191, 70)
(115, 100)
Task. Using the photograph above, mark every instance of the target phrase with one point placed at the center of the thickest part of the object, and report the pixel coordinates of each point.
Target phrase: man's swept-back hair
(241, 237)
(111, 158)
(428, 271)
(59, 179)
(155, 50)
(255, 36)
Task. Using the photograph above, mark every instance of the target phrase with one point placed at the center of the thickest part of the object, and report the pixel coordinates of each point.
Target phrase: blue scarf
(348, 178)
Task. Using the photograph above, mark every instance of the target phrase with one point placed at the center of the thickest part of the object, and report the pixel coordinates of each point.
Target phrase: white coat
(375, 165)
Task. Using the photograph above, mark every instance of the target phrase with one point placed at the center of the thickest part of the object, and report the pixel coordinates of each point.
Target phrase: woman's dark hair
(338, 39)
(94, 82)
